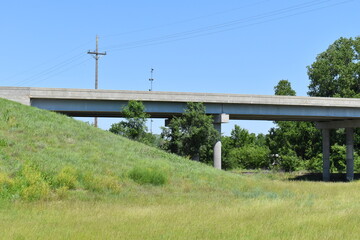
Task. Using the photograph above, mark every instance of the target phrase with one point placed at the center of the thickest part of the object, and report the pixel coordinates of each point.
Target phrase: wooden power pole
(96, 54)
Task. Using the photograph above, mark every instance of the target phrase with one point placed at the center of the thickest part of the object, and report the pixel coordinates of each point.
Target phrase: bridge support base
(217, 155)
(218, 120)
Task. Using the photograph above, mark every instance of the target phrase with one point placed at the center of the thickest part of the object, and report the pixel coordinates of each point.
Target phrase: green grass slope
(63, 179)
(44, 155)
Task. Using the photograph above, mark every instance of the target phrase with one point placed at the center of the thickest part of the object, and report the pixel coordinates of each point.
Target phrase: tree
(241, 137)
(290, 142)
(249, 156)
(301, 137)
(134, 127)
(193, 134)
(284, 88)
(336, 71)
(244, 150)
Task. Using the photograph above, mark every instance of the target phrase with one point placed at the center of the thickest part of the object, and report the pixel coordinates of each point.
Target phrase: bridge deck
(108, 103)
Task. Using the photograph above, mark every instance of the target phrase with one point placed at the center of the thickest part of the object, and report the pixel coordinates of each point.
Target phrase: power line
(188, 20)
(283, 13)
(57, 73)
(62, 64)
(50, 70)
(231, 25)
(32, 68)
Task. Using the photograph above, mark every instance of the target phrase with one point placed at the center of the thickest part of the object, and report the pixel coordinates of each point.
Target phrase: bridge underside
(326, 118)
(93, 108)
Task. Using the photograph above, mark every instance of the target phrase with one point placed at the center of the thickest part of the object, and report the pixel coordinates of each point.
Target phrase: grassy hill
(61, 155)
(44, 155)
(63, 179)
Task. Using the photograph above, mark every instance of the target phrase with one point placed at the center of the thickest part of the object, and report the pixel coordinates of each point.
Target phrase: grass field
(63, 179)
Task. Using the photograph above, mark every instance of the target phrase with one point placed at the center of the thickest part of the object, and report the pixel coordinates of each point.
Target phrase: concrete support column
(326, 154)
(217, 148)
(222, 118)
(349, 154)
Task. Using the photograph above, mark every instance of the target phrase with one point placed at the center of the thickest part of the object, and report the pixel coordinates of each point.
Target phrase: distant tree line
(288, 146)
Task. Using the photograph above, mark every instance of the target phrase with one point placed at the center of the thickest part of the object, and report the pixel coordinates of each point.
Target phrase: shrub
(5, 181)
(62, 192)
(31, 185)
(3, 143)
(315, 164)
(36, 191)
(338, 158)
(67, 177)
(249, 156)
(356, 163)
(6, 185)
(289, 161)
(148, 175)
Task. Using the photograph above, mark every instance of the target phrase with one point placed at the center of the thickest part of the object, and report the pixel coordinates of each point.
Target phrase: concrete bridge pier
(349, 154)
(349, 126)
(326, 154)
(218, 120)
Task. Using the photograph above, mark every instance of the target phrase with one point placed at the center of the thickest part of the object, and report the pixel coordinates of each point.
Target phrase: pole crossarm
(96, 53)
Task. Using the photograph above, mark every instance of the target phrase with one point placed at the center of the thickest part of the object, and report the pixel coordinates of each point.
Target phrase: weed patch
(67, 177)
(3, 143)
(6, 185)
(31, 184)
(101, 183)
(148, 175)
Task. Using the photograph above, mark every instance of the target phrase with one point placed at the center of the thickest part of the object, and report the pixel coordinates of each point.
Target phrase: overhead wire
(186, 20)
(50, 69)
(207, 30)
(219, 31)
(282, 13)
(64, 70)
(32, 68)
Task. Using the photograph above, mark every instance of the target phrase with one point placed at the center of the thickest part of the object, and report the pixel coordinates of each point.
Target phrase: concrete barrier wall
(17, 94)
(149, 96)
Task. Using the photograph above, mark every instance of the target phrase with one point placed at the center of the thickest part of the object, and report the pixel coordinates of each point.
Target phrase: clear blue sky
(228, 46)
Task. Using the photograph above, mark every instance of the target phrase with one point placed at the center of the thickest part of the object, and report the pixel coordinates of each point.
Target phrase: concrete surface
(108, 103)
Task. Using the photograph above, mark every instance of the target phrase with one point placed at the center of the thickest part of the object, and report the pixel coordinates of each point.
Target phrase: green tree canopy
(241, 137)
(134, 127)
(244, 150)
(193, 134)
(284, 88)
(336, 71)
(291, 142)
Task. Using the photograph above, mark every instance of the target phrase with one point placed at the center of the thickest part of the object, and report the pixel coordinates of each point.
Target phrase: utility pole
(96, 55)
(151, 88)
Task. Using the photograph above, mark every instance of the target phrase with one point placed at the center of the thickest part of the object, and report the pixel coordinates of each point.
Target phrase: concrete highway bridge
(328, 113)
